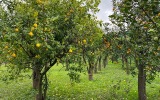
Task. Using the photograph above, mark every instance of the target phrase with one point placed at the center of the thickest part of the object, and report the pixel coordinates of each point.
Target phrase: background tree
(139, 22)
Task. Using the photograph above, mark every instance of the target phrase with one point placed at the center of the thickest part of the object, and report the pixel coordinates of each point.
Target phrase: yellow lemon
(38, 45)
(16, 29)
(6, 47)
(13, 55)
(37, 56)
(70, 50)
(35, 25)
(30, 34)
(84, 41)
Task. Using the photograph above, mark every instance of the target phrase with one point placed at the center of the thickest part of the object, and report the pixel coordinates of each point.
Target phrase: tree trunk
(95, 69)
(127, 65)
(37, 83)
(67, 64)
(40, 96)
(99, 62)
(45, 86)
(141, 83)
(36, 78)
(122, 61)
(90, 72)
(95, 66)
(130, 62)
(105, 61)
(90, 77)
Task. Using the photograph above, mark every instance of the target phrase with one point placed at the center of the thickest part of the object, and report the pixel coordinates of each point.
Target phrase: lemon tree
(138, 23)
(36, 34)
(88, 44)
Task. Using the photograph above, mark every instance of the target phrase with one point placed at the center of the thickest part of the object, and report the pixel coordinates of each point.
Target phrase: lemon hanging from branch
(35, 25)
(84, 41)
(13, 55)
(30, 34)
(38, 45)
(16, 30)
(70, 50)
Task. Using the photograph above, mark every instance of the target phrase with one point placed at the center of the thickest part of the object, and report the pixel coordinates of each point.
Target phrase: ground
(112, 83)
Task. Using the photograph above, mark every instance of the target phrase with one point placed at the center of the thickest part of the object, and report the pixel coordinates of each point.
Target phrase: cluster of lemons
(32, 28)
(38, 45)
(84, 42)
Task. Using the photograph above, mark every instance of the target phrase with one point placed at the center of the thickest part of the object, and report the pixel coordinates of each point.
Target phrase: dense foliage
(36, 34)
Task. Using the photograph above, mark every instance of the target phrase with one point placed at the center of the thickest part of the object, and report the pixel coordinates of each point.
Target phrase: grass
(112, 83)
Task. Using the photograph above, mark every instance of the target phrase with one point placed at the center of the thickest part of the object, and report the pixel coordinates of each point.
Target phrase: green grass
(112, 83)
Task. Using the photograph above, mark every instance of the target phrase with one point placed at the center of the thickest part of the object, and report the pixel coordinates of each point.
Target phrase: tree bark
(141, 83)
(36, 78)
(90, 72)
(95, 66)
(67, 64)
(127, 65)
(90, 77)
(99, 62)
(37, 83)
(105, 61)
(45, 86)
(122, 61)
(40, 96)
(95, 69)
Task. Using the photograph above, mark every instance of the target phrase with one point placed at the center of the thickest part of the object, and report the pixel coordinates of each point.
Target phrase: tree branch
(25, 50)
(48, 68)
